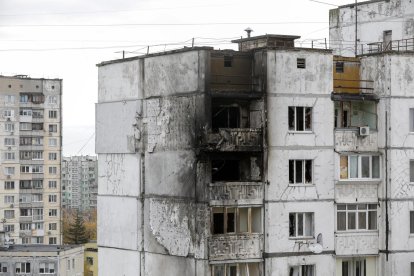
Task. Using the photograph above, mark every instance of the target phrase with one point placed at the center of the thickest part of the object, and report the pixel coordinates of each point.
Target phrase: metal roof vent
(248, 31)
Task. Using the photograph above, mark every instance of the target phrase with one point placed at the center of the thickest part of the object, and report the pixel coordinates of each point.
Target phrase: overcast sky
(66, 39)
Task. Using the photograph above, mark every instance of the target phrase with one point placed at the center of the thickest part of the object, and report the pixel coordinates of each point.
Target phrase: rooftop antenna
(248, 31)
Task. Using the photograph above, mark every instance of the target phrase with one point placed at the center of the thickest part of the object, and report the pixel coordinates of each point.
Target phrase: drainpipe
(387, 223)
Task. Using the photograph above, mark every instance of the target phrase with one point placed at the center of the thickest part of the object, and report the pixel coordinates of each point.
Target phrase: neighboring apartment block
(30, 148)
(79, 182)
(51, 260)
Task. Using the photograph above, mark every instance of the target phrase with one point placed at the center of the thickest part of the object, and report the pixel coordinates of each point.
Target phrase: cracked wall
(150, 116)
(374, 18)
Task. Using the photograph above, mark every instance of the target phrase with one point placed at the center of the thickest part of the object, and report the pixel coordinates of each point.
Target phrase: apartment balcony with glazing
(357, 229)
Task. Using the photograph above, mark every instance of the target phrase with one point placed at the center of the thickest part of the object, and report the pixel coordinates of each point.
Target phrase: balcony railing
(352, 192)
(350, 140)
(234, 139)
(402, 45)
(234, 193)
(237, 246)
(356, 243)
(353, 86)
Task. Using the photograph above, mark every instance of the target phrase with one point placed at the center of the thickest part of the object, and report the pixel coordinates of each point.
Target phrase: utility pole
(356, 27)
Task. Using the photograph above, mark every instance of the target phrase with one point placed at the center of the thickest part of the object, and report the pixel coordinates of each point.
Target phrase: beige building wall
(30, 154)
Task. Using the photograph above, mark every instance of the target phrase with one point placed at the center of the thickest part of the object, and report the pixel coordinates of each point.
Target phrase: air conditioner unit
(364, 131)
(8, 119)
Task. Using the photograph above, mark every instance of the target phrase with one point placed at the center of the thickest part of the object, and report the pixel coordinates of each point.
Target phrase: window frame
(303, 174)
(356, 214)
(301, 268)
(359, 171)
(297, 235)
(305, 111)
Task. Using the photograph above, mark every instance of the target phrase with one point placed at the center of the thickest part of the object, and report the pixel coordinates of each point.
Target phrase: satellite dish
(315, 248)
(319, 239)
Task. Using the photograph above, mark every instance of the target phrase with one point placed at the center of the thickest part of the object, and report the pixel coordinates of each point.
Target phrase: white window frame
(359, 168)
(53, 128)
(53, 142)
(23, 268)
(37, 169)
(52, 212)
(352, 265)
(295, 125)
(25, 126)
(9, 214)
(52, 170)
(52, 198)
(304, 171)
(9, 185)
(52, 226)
(52, 156)
(348, 210)
(46, 268)
(9, 142)
(53, 114)
(304, 216)
(9, 170)
(8, 199)
(9, 156)
(9, 99)
(52, 184)
(9, 127)
(52, 240)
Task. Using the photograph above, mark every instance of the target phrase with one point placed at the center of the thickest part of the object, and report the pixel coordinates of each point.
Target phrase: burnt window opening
(300, 171)
(339, 67)
(225, 170)
(228, 61)
(300, 118)
(230, 220)
(301, 63)
(218, 223)
(225, 117)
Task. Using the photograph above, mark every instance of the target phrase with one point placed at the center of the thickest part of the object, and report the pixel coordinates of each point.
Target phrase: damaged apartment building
(270, 160)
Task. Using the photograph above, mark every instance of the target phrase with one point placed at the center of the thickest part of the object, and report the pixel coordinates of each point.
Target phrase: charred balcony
(236, 233)
(235, 74)
(236, 125)
(236, 180)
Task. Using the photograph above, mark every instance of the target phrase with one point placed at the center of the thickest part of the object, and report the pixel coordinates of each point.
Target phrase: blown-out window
(300, 118)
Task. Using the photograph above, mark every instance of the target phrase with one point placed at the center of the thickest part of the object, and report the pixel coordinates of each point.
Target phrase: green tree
(76, 233)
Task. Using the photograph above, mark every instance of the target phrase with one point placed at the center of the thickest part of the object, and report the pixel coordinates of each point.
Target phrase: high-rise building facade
(217, 162)
(30, 147)
(79, 182)
(269, 160)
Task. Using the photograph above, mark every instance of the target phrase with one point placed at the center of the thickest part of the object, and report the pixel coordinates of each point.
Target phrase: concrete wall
(374, 17)
(392, 75)
(287, 86)
(149, 120)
